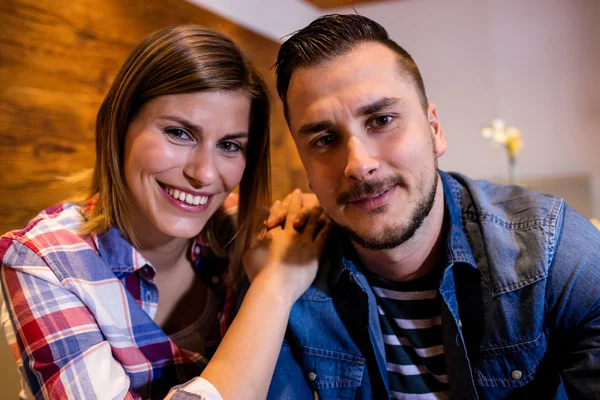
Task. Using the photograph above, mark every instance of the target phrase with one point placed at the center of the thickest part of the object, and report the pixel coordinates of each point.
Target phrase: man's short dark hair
(334, 35)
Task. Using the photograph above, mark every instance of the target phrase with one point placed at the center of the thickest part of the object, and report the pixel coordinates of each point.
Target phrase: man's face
(367, 145)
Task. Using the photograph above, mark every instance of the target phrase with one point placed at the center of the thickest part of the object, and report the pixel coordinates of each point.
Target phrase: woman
(128, 294)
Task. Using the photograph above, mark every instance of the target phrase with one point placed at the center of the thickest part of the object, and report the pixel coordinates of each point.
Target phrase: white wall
(532, 63)
(271, 18)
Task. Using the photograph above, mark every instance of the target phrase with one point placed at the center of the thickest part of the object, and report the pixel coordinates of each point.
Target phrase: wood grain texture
(57, 60)
(329, 4)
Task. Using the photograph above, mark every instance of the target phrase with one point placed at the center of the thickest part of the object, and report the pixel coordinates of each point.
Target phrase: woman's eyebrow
(183, 122)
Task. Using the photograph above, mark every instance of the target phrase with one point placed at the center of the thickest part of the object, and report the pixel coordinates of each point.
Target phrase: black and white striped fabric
(410, 317)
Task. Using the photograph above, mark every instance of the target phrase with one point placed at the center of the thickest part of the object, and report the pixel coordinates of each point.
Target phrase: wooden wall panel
(57, 60)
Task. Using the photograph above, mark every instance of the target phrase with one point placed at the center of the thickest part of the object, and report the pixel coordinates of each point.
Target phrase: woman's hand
(286, 258)
(279, 209)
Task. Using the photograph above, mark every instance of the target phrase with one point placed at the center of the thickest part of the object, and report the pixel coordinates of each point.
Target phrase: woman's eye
(324, 141)
(179, 134)
(381, 121)
(229, 146)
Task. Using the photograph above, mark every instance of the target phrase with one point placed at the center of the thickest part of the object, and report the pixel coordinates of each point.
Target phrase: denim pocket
(510, 366)
(332, 374)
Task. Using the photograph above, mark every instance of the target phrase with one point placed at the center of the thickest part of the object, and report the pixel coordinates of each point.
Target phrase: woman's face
(184, 154)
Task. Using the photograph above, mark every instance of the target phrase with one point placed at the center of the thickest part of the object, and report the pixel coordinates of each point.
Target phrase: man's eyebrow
(378, 106)
(183, 122)
(314, 127)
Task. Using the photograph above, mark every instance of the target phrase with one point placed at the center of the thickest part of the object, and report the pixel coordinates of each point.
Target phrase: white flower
(498, 138)
(501, 135)
(487, 132)
(498, 125)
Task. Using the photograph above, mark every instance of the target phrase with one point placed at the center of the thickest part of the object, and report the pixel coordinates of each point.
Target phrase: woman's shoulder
(52, 230)
(61, 218)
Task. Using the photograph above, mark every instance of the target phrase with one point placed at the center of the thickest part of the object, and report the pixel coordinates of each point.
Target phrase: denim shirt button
(148, 296)
(312, 376)
(352, 278)
(516, 374)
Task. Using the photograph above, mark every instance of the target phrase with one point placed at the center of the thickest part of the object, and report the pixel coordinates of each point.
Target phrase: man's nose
(360, 162)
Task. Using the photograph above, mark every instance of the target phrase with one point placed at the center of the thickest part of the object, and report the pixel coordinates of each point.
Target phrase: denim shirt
(520, 309)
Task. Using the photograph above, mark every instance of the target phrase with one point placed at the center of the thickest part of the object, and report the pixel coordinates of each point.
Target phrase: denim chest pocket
(510, 366)
(332, 374)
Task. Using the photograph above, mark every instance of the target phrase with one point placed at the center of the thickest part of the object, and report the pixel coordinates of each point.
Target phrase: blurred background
(532, 63)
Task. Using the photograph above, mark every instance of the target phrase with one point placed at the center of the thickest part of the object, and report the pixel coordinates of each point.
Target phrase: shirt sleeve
(58, 346)
(196, 389)
(574, 304)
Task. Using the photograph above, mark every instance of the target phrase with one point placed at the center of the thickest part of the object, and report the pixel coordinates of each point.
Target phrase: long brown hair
(180, 60)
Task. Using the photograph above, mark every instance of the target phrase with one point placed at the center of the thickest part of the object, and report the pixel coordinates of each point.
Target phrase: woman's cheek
(232, 172)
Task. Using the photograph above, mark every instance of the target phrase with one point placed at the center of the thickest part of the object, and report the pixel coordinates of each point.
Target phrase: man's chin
(371, 239)
(375, 243)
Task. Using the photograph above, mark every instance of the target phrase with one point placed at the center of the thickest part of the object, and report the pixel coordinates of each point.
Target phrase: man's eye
(324, 141)
(179, 134)
(381, 121)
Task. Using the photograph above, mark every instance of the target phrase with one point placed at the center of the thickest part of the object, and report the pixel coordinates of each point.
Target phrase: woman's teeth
(186, 197)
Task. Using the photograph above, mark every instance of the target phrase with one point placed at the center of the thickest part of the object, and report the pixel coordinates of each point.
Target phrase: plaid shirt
(78, 314)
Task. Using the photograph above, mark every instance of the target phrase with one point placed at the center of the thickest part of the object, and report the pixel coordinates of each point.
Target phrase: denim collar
(458, 249)
(343, 257)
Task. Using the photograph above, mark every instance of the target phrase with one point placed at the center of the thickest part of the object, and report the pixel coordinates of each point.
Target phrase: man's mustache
(365, 189)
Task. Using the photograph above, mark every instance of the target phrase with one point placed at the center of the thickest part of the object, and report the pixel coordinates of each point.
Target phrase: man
(435, 285)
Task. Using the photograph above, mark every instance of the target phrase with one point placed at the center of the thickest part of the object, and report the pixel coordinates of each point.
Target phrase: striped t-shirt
(410, 317)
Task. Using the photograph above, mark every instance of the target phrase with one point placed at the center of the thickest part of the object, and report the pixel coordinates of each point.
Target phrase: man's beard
(390, 237)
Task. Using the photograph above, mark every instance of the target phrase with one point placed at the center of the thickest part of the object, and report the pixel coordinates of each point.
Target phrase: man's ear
(437, 132)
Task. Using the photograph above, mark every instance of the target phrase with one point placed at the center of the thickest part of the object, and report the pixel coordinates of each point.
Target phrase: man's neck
(416, 257)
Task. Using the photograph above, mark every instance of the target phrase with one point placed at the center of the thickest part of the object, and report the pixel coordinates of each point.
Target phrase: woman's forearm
(243, 365)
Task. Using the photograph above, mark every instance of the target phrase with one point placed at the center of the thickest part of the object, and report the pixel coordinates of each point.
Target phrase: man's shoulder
(513, 207)
(579, 238)
(513, 232)
(517, 208)
(517, 226)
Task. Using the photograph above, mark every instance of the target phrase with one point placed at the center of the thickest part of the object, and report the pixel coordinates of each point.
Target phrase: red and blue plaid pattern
(80, 314)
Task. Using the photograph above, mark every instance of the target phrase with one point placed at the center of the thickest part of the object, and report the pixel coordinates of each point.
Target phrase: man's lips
(375, 200)
(369, 197)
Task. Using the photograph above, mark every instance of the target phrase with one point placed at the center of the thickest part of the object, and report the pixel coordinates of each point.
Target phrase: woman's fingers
(313, 222)
(276, 215)
(323, 234)
(280, 209)
(294, 207)
(309, 202)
